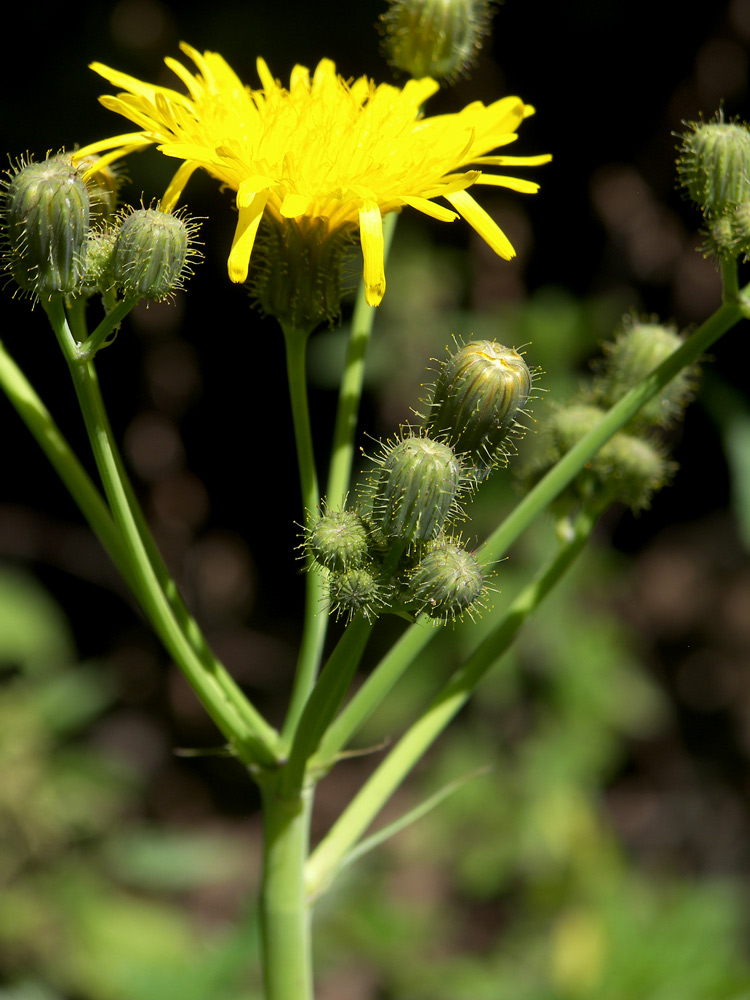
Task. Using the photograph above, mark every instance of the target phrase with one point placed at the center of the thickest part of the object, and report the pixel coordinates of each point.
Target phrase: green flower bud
(447, 582)
(99, 276)
(46, 223)
(437, 38)
(355, 591)
(298, 275)
(714, 166)
(417, 489)
(638, 349)
(338, 540)
(151, 252)
(627, 468)
(477, 396)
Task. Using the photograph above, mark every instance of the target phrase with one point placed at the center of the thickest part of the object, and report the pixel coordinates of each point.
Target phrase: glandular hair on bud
(437, 38)
(338, 540)
(45, 210)
(637, 350)
(417, 489)
(447, 582)
(478, 394)
(714, 165)
(151, 251)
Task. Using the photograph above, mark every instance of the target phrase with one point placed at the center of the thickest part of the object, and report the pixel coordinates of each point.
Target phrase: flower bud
(628, 469)
(714, 166)
(437, 38)
(150, 254)
(99, 276)
(478, 394)
(338, 540)
(417, 489)
(447, 582)
(638, 349)
(353, 592)
(46, 222)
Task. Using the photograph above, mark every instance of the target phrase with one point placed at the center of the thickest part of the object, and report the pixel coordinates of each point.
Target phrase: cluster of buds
(633, 464)
(63, 236)
(714, 170)
(397, 548)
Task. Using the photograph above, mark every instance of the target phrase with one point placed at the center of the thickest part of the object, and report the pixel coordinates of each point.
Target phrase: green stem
(60, 455)
(325, 700)
(285, 909)
(316, 618)
(350, 391)
(246, 731)
(360, 812)
(401, 656)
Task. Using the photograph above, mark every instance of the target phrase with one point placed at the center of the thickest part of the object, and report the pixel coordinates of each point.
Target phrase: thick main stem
(285, 910)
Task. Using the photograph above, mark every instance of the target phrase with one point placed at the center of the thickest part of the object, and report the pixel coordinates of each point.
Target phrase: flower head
(323, 150)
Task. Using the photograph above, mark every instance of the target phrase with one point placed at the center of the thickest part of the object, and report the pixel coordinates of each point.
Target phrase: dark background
(612, 83)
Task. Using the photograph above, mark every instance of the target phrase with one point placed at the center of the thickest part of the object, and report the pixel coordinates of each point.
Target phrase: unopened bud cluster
(437, 38)
(63, 236)
(633, 464)
(714, 169)
(396, 548)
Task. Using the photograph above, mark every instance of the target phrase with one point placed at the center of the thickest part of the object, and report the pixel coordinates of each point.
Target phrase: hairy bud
(417, 489)
(714, 165)
(638, 349)
(150, 255)
(447, 582)
(355, 591)
(477, 396)
(338, 540)
(437, 38)
(46, 223)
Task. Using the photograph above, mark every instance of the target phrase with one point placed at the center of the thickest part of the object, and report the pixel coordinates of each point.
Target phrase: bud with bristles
(355, 591)
(150, 255)
(437, 38)
(46, 224)
(338, 540)
(714, 166)
(638, 349)
(628, 469)
(478, 394)
(417, 489)
(447, 582)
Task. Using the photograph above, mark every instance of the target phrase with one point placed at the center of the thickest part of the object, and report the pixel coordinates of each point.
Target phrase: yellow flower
(324, 150)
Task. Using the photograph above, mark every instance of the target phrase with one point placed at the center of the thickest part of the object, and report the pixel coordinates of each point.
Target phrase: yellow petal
(129, 142)
(484, 224)
(514, 183)
(244, 237)
(294, 205)
(177, 185)
(371, 237)
(438, 212)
